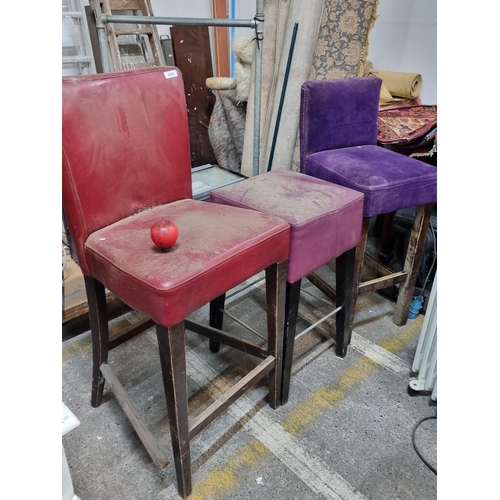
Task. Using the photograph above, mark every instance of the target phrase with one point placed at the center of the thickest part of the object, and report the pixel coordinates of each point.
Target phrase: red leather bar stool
(126, 165)
(325, 224)
(338, 144)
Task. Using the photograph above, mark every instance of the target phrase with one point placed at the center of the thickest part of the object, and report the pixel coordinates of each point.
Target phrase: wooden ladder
(130, 46)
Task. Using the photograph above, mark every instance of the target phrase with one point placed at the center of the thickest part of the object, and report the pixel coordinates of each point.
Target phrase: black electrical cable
(415, 445)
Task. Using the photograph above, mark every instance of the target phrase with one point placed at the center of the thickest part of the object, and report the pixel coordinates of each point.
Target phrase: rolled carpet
(220, 83)
(400, 84)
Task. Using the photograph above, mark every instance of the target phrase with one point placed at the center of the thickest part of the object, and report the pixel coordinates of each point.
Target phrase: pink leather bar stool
(325, 224)
(126, 165)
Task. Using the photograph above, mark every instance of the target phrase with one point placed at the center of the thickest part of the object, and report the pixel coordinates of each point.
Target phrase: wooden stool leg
(412, 262)
(344, 276)
(172, 348)
(96, 298)
(291, 313)
(216, 318)
(275, 299)
(358, 266)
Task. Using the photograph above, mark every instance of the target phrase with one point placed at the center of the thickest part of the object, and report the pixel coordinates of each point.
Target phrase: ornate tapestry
(342, 43)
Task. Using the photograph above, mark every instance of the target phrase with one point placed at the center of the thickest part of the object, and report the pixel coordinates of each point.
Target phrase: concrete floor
(345, 433)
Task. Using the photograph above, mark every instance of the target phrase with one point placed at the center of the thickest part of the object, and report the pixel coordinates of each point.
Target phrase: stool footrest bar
(226, 338)
(146, 437)
(229, 397)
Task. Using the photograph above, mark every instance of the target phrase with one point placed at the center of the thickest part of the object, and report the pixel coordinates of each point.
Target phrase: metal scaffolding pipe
(257, 93)
(103, 46)
(102, 19)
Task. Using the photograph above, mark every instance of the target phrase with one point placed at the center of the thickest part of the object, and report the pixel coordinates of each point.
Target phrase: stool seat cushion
(325, 219)
(390, 181)
(218, 247)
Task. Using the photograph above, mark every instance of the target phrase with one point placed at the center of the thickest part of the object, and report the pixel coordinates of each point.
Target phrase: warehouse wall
(404, 38)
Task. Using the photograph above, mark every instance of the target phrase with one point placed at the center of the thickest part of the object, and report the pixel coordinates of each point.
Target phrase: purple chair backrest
(338, 113)
(125, 144)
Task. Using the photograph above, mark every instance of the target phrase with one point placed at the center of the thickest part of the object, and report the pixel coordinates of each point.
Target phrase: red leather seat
(126, 165)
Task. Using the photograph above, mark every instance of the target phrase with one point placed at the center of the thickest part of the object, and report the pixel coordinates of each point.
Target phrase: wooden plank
(125, 5)
(133, 31)
(382, 282)
(193, 57)
(229, 397)
(221, 39)
(75, 297)
(134, 416)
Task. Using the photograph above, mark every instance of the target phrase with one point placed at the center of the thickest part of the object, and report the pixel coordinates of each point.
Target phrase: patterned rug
(405, 125)
(342, 44)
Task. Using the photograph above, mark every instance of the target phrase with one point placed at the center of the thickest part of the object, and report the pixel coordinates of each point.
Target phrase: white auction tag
(171, 74)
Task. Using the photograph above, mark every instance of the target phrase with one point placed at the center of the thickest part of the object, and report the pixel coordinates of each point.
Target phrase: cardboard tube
(220, 83)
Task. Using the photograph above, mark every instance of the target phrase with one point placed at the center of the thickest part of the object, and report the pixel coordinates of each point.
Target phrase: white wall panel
(404, 38)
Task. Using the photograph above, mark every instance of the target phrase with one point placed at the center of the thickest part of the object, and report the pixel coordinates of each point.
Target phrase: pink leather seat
(325, 224)
(126, 165)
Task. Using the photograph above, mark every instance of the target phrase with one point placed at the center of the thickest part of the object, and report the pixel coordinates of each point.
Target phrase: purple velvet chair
(338, 143)
(325, 224)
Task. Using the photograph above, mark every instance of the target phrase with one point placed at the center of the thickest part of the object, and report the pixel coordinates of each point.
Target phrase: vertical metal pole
(103, 44)
(282, 98)
(259, 32)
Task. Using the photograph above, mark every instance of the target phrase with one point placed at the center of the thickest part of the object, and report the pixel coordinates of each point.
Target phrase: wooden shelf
(75, 298)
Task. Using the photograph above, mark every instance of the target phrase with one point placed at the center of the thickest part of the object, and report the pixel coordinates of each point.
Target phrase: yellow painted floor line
(313, 407)
(281, 440)
(231, 474)
(278, 443)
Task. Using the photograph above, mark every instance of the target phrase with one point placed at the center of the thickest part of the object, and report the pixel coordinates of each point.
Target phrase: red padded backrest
(125, 147)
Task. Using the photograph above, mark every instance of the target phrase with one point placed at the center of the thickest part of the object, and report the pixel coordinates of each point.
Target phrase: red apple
(164, 234)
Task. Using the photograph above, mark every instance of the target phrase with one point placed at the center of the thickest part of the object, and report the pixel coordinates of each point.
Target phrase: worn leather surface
(339, 145)
(125, 147)
(218, 247)
(325, 219)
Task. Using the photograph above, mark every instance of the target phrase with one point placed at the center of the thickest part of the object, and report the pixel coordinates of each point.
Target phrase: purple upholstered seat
(338, 129)
(338, 143)
(325, 220)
